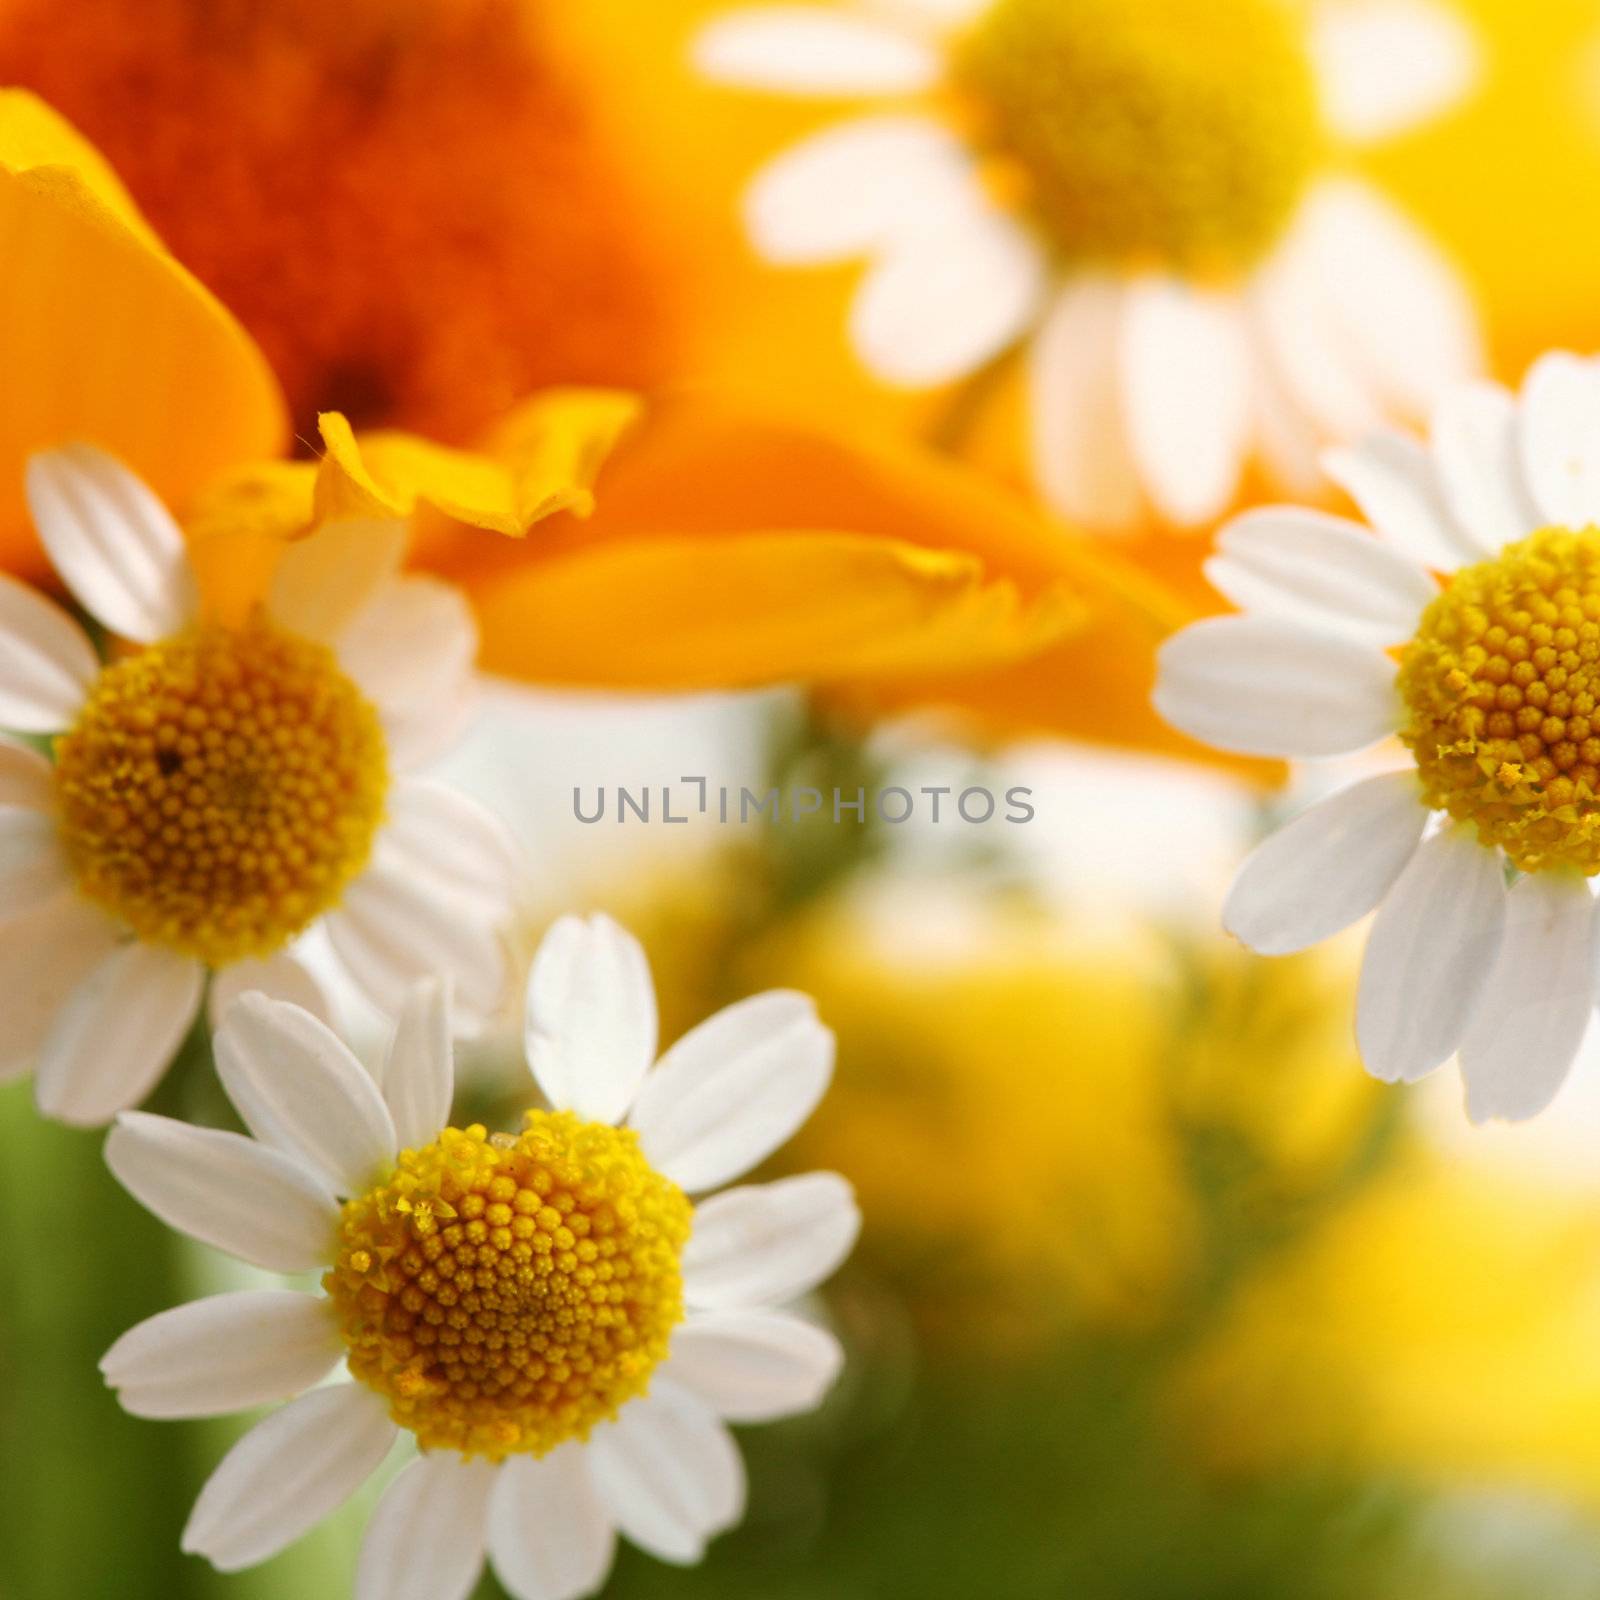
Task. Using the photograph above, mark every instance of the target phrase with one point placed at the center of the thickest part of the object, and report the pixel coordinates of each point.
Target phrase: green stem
(94, 1498)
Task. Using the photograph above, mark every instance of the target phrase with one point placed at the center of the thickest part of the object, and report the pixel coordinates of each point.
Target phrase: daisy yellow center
(1167, 131)
(506, 1294)
(219, 790)
(1501, 685)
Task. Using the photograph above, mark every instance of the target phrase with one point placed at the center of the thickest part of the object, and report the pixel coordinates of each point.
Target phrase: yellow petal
(1093, 683)
(542, 460)
(238, 526)
(765, 607)
(104, 336)
(734, 544)
(739, 542)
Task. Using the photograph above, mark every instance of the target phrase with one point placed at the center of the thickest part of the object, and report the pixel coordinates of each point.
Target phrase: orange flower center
(407, 202)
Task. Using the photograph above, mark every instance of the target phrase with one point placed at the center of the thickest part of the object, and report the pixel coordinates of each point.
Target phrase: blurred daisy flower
(1470, 628)
(222, 785)
(558, 1326)
(1151, 194)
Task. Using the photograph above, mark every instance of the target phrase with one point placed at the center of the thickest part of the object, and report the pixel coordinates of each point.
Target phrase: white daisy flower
(560, 1329)
(1470, 628)
(1150, 193)
(218, 788)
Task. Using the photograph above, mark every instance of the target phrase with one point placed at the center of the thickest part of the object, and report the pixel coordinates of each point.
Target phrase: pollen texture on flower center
(507, 1294)
(220, 789)
(1148, 130)
(1501, 685)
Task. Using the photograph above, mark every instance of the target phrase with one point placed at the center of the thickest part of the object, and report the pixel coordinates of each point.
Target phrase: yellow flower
(1019, 1105)
(1044, 1130)
(1444, 1326)
(736, 545)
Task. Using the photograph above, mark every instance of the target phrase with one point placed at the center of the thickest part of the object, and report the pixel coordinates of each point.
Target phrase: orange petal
(104, 337)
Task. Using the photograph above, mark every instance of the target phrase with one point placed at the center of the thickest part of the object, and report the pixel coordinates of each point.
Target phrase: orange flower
(416, 207)
(735, 544)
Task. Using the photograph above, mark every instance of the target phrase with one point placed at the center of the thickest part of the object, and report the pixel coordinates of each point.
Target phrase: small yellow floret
(1500, 685)
(220, 789)
(538, 1310)
(1173, 131)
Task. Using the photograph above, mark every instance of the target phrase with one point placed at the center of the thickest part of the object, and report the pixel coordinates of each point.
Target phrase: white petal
(1385, 66)
(1476, 454)
(852, 188)
(225, 1190)
(323, 581)
(113, 542)
(805, 50)
(390, 933)
(287, 1474)
(1403, 309)
(1392, 479)
(1286, 435)
(769, 1243)
(1328, 867)
(423, 734)
(426, 1537)
(1536, 1005)
(225, 1353)
(46, 661)
(1322, 571)
(669, 1473)
(33, 868)
(44, 955)
(117, 1034)
(590, 1029)
(755, 1366)
(1560, 434)
(436, 834)
(1082, 455)
(1429, 954)
(26, 778)
(1187, 396)
(732, 1090)
(1262, 686)
(940, 302)
(301, 1091)
(279, 977)
(1306, 347)
(550, 1538)
(419, 1071)
(411, 650)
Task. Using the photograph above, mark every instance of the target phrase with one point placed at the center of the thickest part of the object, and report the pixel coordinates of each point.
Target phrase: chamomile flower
(559, 1327)
(1149, 192)
(219, 786)
(1470, 628)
